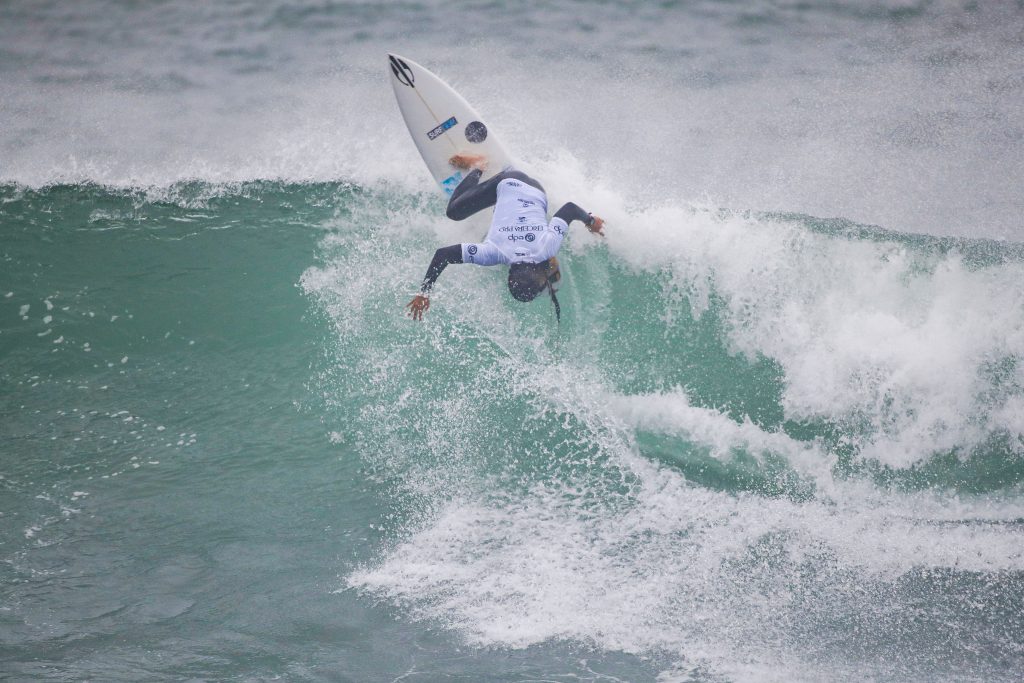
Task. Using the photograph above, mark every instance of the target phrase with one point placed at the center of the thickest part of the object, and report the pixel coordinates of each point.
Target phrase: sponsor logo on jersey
(433, 134)
(525, 202)
(536, 227)
(471, 252)
(558, 228)
(528, 237)
(512, 183)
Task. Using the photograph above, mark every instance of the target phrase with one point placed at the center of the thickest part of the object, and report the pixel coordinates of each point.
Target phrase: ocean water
(778, 436)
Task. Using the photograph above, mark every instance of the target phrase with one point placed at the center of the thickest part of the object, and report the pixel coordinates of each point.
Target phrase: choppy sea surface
(778, 436)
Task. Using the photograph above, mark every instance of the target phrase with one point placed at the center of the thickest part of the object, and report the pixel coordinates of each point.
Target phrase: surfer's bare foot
(464, 161)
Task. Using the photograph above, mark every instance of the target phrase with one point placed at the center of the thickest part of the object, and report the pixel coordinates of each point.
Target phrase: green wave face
(755, 442)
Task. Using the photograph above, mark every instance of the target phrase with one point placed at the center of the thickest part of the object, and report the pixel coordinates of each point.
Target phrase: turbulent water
(778, 435)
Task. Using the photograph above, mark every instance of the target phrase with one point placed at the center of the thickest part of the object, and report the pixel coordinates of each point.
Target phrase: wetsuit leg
(471, 195)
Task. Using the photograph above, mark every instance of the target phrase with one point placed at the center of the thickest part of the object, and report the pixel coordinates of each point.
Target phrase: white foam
(671, 413)
(876, 334)
(711, 577)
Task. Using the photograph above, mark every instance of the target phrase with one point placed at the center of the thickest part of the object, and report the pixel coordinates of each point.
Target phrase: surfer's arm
(572, 212)
(443, 257)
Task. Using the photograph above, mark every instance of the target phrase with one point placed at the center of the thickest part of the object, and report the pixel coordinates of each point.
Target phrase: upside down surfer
(520, 234)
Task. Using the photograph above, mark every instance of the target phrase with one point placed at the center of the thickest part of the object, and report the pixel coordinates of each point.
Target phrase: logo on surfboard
(402, 71)
(450, 123)
(451, 182)
(476, 132)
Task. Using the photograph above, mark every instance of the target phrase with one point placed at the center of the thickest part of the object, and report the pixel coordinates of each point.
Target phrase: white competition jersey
(520, 231)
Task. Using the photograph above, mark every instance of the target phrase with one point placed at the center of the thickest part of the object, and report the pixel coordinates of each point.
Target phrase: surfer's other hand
(464, 161)
(419, 305)
(597, 226)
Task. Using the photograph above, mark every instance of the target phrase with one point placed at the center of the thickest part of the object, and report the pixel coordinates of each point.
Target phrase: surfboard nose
(402, 71)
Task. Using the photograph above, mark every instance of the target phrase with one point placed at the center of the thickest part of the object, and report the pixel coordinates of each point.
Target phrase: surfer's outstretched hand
(464, 161)
(419, 305)
(597, 227)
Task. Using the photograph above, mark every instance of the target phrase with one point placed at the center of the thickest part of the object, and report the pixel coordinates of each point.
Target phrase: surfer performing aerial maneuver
(442, 124)
(520, 235)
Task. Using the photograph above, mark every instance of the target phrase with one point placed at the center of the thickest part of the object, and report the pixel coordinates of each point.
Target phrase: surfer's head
(527, 280)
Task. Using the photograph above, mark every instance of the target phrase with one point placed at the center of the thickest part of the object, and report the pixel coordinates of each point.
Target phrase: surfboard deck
(442, 123)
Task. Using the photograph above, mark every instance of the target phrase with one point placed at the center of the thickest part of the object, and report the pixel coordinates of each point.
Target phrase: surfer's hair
(527, 280)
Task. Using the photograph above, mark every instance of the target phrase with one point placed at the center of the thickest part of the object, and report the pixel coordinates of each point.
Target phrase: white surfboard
(442, 123)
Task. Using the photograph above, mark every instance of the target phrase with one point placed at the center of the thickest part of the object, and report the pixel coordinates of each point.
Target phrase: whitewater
(777, 436)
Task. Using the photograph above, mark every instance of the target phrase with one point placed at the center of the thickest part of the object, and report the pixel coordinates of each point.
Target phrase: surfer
(520, 234)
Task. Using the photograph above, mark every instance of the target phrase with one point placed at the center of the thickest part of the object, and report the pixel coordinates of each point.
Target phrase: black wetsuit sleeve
(471, 195)
(571, 212)
(442, 258)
